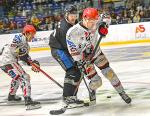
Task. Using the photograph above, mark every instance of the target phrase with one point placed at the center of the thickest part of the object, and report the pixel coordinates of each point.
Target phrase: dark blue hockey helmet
(72, 9)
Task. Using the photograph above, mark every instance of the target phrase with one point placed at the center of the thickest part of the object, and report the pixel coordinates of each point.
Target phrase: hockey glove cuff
(35, 66)
(103, 29)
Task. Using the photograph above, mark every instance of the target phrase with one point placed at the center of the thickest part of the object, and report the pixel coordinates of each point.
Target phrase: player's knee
(70, 81)
(26, 77)
(15, 83)
(95, 82)
(103, 65)
(108, 73)
(73, 74)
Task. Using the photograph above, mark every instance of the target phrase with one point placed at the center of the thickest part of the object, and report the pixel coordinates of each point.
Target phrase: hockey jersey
(58, 37)
(78, 37)
(17, 49)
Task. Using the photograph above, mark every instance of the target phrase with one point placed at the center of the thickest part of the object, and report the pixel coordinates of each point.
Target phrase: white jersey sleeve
(20, 45)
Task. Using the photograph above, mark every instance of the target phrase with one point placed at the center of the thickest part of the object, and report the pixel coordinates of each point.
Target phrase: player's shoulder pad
(73, 31)
(17, 39)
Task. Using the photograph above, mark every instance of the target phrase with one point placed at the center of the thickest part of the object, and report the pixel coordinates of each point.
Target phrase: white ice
(134, 75)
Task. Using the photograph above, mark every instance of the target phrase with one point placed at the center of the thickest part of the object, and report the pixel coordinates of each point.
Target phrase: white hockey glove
(37, 64)
(95, 82)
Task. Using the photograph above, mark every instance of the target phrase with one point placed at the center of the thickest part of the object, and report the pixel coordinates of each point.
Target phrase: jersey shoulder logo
(70, 43)
(71, 46)
(17, 39)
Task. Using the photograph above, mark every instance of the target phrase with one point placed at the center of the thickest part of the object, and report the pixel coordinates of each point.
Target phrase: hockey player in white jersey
(81, 41)
(18, 49)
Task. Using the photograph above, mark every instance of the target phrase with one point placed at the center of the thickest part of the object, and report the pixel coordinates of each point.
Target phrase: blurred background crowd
(45, 14)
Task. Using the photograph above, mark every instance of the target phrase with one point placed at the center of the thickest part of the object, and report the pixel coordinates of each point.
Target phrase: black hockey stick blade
(57, 112)
(62, 110)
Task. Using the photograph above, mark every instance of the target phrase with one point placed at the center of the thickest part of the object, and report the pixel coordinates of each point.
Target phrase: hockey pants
(19, 76)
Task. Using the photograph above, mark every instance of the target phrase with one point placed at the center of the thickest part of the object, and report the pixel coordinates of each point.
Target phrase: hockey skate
(31, 105)
(125, 97)
(69, 102)
(73, 102)
(14, 98)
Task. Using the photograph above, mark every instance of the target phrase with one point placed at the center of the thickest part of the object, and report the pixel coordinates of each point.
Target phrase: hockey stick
(92, 93)
(46, 75)
(62, 110)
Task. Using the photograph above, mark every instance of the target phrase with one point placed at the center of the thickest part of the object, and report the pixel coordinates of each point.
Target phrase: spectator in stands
(131, 12)
(47, 23)
(125, 17)
(130, 20)
(1, 25)
(35, 21)
(136, 18)
(147, 12)
(119, 19)
(141, 13)
(12, 25)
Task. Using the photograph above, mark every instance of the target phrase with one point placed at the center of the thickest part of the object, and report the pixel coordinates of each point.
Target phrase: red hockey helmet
(29, 28)
(90, 13)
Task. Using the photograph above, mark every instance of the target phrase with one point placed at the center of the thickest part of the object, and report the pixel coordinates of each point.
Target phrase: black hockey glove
(82, 64)
(36, 67)
(103, 29)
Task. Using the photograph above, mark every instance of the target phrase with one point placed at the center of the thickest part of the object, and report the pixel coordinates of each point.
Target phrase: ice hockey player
(81, 41)
(60, 53)
(18, 49)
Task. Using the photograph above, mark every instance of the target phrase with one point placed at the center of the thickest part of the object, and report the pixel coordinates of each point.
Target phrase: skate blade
(90, 102)
(33, 107)
(70, 106)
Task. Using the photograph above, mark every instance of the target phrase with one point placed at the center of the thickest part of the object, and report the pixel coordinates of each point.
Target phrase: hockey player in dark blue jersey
(62, 56)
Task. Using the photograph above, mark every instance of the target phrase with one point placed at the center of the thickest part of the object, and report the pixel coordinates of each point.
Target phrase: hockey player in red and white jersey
(81, 41)
(18, 49)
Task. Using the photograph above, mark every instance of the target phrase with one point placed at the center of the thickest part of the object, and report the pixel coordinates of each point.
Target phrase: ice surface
(132, 65)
